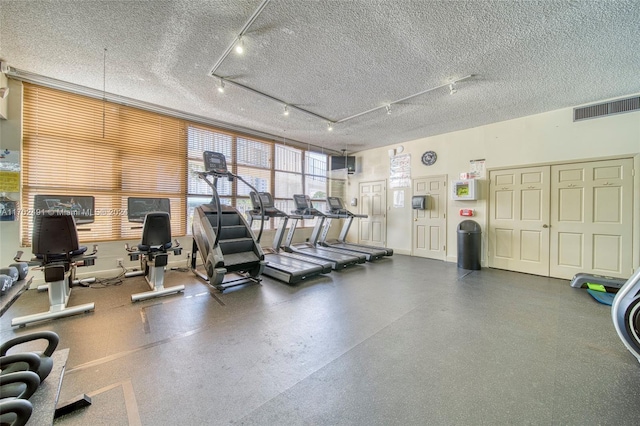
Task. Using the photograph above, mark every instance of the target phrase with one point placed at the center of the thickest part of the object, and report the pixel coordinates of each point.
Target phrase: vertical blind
(79, 146)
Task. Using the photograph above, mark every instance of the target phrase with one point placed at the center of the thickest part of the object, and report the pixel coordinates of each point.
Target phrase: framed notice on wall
(9, 170)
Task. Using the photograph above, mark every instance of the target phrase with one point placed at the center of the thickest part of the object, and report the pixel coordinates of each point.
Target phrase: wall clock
(429, 158)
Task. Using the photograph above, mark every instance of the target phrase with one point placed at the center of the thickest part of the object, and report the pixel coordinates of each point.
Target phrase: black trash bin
(469, 245)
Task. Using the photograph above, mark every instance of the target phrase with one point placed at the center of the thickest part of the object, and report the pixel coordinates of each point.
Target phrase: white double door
(563, 219)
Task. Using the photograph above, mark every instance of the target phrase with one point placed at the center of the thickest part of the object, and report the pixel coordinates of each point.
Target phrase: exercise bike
(153, 251)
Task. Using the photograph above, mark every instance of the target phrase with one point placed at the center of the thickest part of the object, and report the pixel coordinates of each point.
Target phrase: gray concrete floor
(401, 341)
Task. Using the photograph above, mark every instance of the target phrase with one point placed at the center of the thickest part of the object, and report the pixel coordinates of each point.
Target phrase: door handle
(545, 226)
(415, 219)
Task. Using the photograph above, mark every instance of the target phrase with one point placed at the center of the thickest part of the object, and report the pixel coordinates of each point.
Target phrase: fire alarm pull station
(466, 212)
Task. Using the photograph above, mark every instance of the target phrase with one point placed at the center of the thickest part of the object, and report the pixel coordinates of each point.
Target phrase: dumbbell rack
(7, 299)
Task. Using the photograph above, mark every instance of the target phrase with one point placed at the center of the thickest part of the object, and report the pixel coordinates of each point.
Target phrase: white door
(591, 220)
(519, 220)
(430, 225)
(373, 202)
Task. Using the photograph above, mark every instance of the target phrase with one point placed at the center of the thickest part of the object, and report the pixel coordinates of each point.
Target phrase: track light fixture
(286, 110)
(388, 109)
(240, 46)
(452, 88)
(329, 126)
(221, 87)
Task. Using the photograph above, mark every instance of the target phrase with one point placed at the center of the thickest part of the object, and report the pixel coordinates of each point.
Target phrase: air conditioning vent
(608, 108)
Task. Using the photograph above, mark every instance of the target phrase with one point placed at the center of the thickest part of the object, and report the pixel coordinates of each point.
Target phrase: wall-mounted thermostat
(465, 189)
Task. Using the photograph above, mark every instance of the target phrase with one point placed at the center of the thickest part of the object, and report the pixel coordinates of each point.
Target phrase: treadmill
(289, 268)
(338, 260)
(337, 210)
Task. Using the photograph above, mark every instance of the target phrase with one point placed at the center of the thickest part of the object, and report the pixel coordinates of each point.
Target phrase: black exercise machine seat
(56, 248)
(156, 233)
(55, 238)
(153, 254)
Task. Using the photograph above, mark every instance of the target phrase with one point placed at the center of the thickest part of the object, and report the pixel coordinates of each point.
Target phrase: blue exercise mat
(604, 298)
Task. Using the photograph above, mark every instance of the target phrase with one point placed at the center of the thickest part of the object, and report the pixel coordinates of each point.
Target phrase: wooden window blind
(79, 146)
(315, 179)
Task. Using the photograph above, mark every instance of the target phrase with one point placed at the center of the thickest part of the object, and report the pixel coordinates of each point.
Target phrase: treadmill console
(335, 206)
(267, 203)
(215, 163)
(265, 197)
(304, 206)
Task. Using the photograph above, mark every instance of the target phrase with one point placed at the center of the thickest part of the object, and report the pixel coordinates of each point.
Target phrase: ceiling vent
(607, 108)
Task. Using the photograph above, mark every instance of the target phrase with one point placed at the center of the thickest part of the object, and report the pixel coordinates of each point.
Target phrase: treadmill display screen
(301, 201)
(334, 203)
(266, 200)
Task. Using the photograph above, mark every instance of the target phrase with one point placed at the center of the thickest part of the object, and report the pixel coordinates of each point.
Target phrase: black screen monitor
(81, 207)
(137, 208)
(339, 162)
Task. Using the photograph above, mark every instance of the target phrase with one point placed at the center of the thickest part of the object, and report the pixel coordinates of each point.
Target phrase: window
(288, 177)
(78, 146)
(315, 179)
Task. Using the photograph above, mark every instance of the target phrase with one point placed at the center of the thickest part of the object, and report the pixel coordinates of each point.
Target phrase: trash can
(469, 245)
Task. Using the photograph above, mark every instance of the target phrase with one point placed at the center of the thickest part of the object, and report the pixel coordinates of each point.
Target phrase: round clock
(429, 158)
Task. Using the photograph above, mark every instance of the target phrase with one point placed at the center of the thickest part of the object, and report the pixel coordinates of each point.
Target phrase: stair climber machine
(222, 236)
(625, 312)
(337, 211)
(287, 267)
(304, 210)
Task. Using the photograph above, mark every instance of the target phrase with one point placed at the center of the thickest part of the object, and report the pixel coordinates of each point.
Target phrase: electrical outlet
(119, 262)
(188, 255)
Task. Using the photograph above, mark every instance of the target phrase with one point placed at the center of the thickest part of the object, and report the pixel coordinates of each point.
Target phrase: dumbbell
(23, 269)
(5, 283)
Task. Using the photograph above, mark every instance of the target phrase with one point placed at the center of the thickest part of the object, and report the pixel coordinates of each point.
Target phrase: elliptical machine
(222, 236)
(625, 313)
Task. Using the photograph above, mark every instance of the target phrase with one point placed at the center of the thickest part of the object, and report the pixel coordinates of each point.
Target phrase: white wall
(550, 137)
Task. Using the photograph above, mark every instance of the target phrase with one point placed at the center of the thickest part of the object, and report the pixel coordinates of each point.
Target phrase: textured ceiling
(336, 59)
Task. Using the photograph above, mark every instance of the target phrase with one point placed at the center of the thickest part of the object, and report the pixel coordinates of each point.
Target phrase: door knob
(545, 226)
